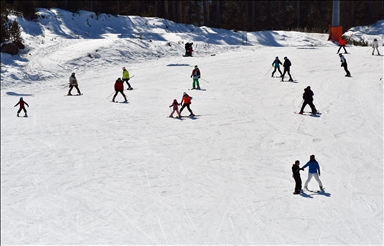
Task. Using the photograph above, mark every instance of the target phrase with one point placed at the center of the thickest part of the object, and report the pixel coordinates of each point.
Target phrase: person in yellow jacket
(125, 78)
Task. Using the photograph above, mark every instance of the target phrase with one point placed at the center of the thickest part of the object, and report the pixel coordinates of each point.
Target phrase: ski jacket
(72, 80)
(342, 42)
(125, 74)
(175, 104)
(308, 95)
(186, 99)
(21, 103)
(287, 63)
(119, 85)
(375, 44)
(195, 73)
(276, 63)
(343, 60)
(296, 171)
(313, 166)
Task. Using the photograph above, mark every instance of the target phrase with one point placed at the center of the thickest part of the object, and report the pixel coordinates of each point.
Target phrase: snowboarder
(126, 78)
(345, 65)
(276, 64)
(119, 87)
(196, 76)
(188, 49)
(22, 107)
(287, 67)
(308, 99)
(73, 83)
(186, 102)
(175, 106)
(375, 45)
(342, 43)
(313, 171)
(296, 175)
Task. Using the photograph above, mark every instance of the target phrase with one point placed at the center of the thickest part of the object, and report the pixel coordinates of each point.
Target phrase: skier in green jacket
(125, 78)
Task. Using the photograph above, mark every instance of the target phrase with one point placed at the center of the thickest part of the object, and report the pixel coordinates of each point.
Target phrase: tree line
(252, 15)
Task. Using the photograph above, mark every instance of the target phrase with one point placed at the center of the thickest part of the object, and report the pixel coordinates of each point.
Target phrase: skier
(375, 45)
(22, 107)
(186, 102)
(188, 49)
(313, 171)
(308, 99)
(119, 87)
(342, 43)
(345, 65)
(126, 78)
(73, 83)
(175, 106)
(296, 175)
(287, 67)
(276, 64)
(196, 76)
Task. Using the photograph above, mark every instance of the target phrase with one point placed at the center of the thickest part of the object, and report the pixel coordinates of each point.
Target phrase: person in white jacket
(375, 45)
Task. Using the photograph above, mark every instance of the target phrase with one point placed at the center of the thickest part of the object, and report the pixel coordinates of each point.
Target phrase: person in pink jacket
(175, 106)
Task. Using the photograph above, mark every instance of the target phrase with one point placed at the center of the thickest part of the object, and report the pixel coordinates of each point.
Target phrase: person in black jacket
(296, 175)
(308, 99)
(287, 67)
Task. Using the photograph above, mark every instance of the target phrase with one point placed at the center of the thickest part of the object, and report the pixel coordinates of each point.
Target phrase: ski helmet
(184, 93)
(195, 66)
(21, 98)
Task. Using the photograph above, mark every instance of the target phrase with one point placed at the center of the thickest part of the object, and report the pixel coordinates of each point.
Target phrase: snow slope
(85, 171)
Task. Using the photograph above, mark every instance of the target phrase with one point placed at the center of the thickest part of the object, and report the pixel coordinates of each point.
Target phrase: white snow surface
(84, 171)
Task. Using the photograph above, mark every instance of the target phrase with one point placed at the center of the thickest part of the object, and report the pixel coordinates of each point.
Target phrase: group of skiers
(313, 172)
(287, 67)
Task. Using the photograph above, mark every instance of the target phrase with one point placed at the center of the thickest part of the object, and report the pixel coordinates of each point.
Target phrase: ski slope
(82, 170)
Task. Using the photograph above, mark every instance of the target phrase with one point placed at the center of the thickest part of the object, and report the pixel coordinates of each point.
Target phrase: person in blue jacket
(276, 64)
(313, 171)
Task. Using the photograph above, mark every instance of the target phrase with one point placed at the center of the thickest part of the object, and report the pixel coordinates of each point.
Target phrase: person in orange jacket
(22, 107)
(186, 102)
(119, 87)
(342, 43)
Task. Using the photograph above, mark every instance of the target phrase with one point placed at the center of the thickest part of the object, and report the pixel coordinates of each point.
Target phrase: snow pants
(278, 68)
(373, 51)
(122, 93)
(310, 175)
(71, 87)
(21, 108)
(126, 80)
(186, 105)
(345, 65)
(175, 110)
(286, 70)
(341, 46)
(310, 103)
(195, 84)
(297, 184)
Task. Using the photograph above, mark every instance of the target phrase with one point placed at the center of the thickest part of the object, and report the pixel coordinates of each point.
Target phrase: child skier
(196, 76)
(296, 175)
(175, 106)
(186, 101)
(22, 103)
(276, 64)
(119, 87)
(375, 45)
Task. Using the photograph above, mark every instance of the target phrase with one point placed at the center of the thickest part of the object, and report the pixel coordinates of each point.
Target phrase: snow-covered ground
(82, 170)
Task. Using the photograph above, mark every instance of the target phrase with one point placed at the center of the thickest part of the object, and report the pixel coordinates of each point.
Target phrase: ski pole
(301, 104)
(110, 95)
(268, 71)
(293, 76)
(204, 80)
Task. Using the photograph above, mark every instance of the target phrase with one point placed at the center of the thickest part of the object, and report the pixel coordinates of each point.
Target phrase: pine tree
(15, 32)
(4, 33)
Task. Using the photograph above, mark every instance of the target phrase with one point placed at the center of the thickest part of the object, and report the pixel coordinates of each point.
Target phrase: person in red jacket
(119, 87)
(22, 103)
(342, 43)
(186, 102)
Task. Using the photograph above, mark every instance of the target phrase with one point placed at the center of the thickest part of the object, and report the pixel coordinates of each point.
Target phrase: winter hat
(340, 54)
(73, 73)
(184, 93)
(21, 98)
(285, 57)
(123, 67)
(277, 57)
(195, 66)
(174, 100)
